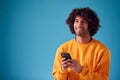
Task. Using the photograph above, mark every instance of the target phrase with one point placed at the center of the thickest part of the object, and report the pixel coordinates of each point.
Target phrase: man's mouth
(79, 28)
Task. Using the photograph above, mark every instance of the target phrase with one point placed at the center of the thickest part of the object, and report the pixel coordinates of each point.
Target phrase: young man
(90, 58)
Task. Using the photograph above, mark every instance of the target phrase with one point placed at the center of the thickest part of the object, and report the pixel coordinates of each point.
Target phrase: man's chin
(81, 34)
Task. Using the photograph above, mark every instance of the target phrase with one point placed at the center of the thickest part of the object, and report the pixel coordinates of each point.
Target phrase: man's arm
(102, 69)
(58, 73)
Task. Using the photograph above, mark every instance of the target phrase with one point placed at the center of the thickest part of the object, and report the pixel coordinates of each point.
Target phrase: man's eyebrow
(76, 19)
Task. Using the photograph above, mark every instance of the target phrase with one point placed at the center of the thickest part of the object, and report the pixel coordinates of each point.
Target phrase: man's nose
(80, 23)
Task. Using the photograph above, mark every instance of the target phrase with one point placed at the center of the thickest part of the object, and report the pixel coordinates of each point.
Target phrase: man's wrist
(80, 69)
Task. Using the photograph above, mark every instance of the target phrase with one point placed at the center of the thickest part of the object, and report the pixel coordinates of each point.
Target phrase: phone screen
(66, 55)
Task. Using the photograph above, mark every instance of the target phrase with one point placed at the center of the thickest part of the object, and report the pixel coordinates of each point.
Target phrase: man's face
(80, 26)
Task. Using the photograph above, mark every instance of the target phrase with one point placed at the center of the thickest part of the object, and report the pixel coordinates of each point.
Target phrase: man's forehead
(79, 18)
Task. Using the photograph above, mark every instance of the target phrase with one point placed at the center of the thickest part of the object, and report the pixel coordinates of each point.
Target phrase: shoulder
(66, 44)
(69, 42)
(97, 42)
(100, 45)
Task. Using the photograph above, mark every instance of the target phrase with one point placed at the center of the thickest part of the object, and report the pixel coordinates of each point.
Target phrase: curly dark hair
(89, 15)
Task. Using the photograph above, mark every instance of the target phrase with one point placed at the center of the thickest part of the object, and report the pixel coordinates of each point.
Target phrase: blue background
(32, 30)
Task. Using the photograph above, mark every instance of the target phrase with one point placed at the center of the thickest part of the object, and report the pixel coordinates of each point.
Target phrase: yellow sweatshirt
(93, 56)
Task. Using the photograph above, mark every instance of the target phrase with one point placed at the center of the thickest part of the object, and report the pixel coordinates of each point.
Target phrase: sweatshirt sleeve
(57, 73)
(101, 71)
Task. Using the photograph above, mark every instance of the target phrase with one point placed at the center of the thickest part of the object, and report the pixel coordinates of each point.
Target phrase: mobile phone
(66, 55)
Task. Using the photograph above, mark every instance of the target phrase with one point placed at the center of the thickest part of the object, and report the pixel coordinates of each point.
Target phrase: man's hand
(75, 66)
(65, 64)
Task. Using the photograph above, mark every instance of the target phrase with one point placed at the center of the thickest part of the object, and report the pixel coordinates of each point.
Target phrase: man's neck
(80, 39)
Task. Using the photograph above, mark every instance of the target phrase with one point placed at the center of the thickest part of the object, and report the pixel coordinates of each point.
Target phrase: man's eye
(76, 21)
